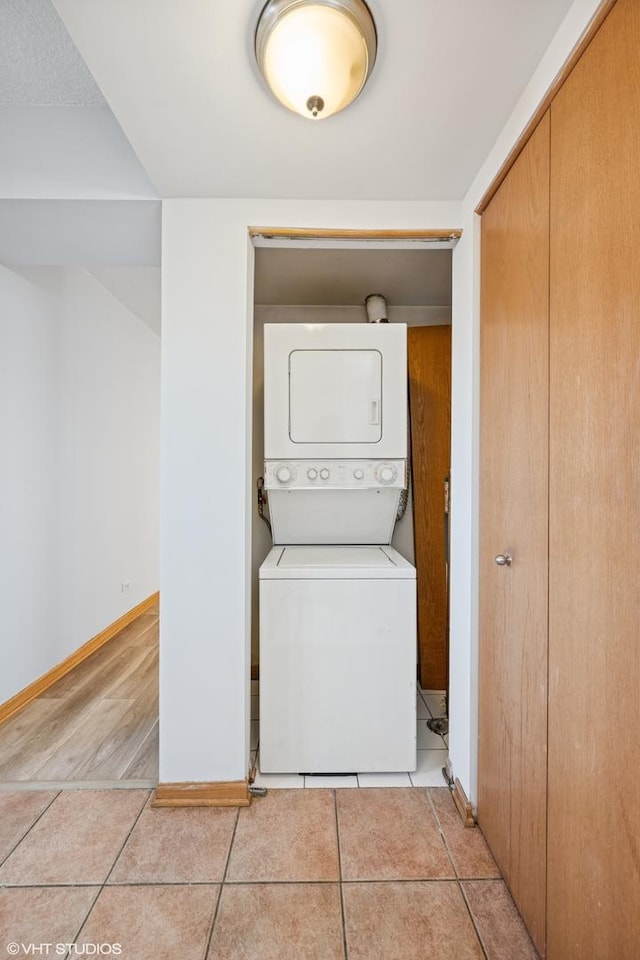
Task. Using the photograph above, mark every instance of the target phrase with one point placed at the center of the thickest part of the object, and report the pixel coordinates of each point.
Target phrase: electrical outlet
(126, 585)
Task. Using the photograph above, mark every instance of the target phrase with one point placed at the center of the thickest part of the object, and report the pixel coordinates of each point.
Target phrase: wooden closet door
(512, 768)
(594, 652)
(429, 356)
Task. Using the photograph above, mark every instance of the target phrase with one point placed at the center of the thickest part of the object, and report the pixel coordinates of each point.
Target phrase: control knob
(312, 473)
(386, 473)
(285, 473)
(324, 474)
(358, 474)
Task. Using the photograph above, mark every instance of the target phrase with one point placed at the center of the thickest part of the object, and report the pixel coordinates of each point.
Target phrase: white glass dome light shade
(315, 60)
(316, 55)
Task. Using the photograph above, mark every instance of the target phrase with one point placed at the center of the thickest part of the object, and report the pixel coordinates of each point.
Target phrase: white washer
(337, 660)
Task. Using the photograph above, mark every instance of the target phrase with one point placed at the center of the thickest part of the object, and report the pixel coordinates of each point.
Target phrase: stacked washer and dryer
(337, 602)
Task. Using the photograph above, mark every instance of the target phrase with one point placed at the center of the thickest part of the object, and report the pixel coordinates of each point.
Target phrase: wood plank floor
(98, 723)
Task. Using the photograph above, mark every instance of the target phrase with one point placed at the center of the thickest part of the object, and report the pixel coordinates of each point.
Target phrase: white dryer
(335, 444)
(335, 391)
(337, 660)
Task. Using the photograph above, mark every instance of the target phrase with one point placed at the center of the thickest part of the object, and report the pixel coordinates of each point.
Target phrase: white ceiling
(67, 153)
(181, 80)
(39, 63)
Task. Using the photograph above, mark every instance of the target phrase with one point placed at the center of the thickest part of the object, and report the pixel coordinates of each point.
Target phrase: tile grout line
(441, 832)
(126, 839)
(207, 946)
(448, 849)
(242, 883)
(86, 916)
(344, 926)
(29, 829)
(502, 881)
(457, 875)
(475, 926)
(102, 885)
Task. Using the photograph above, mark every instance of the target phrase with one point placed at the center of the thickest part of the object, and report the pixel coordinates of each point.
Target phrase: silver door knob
(504, 560)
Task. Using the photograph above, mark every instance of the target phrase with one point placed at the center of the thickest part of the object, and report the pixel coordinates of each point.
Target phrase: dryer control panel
(334, 474)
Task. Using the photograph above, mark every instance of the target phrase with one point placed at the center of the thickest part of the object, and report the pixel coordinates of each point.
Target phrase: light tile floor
(432, 753)
(379, 874)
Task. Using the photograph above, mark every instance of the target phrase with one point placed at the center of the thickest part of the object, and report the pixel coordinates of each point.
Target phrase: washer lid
(334, 556)
(310, 562)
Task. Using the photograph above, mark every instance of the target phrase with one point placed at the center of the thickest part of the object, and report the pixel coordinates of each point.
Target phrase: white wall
(29, 482)
(463, 569)
(79, 497)
(92, 232)
(207, 495)
(208, 492)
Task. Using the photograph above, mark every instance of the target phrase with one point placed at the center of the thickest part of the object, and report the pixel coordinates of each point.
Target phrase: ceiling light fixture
(316, 55)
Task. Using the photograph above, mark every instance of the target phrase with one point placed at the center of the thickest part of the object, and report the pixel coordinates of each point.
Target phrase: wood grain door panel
(429, 355)
(594, 653)
(514, 442)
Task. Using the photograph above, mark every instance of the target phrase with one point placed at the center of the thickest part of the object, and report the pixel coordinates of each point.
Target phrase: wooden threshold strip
(229, 793)
(312, 233)
(585, 39)
(38, 687)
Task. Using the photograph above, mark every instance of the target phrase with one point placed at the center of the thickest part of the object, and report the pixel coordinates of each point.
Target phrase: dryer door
(335, 396)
